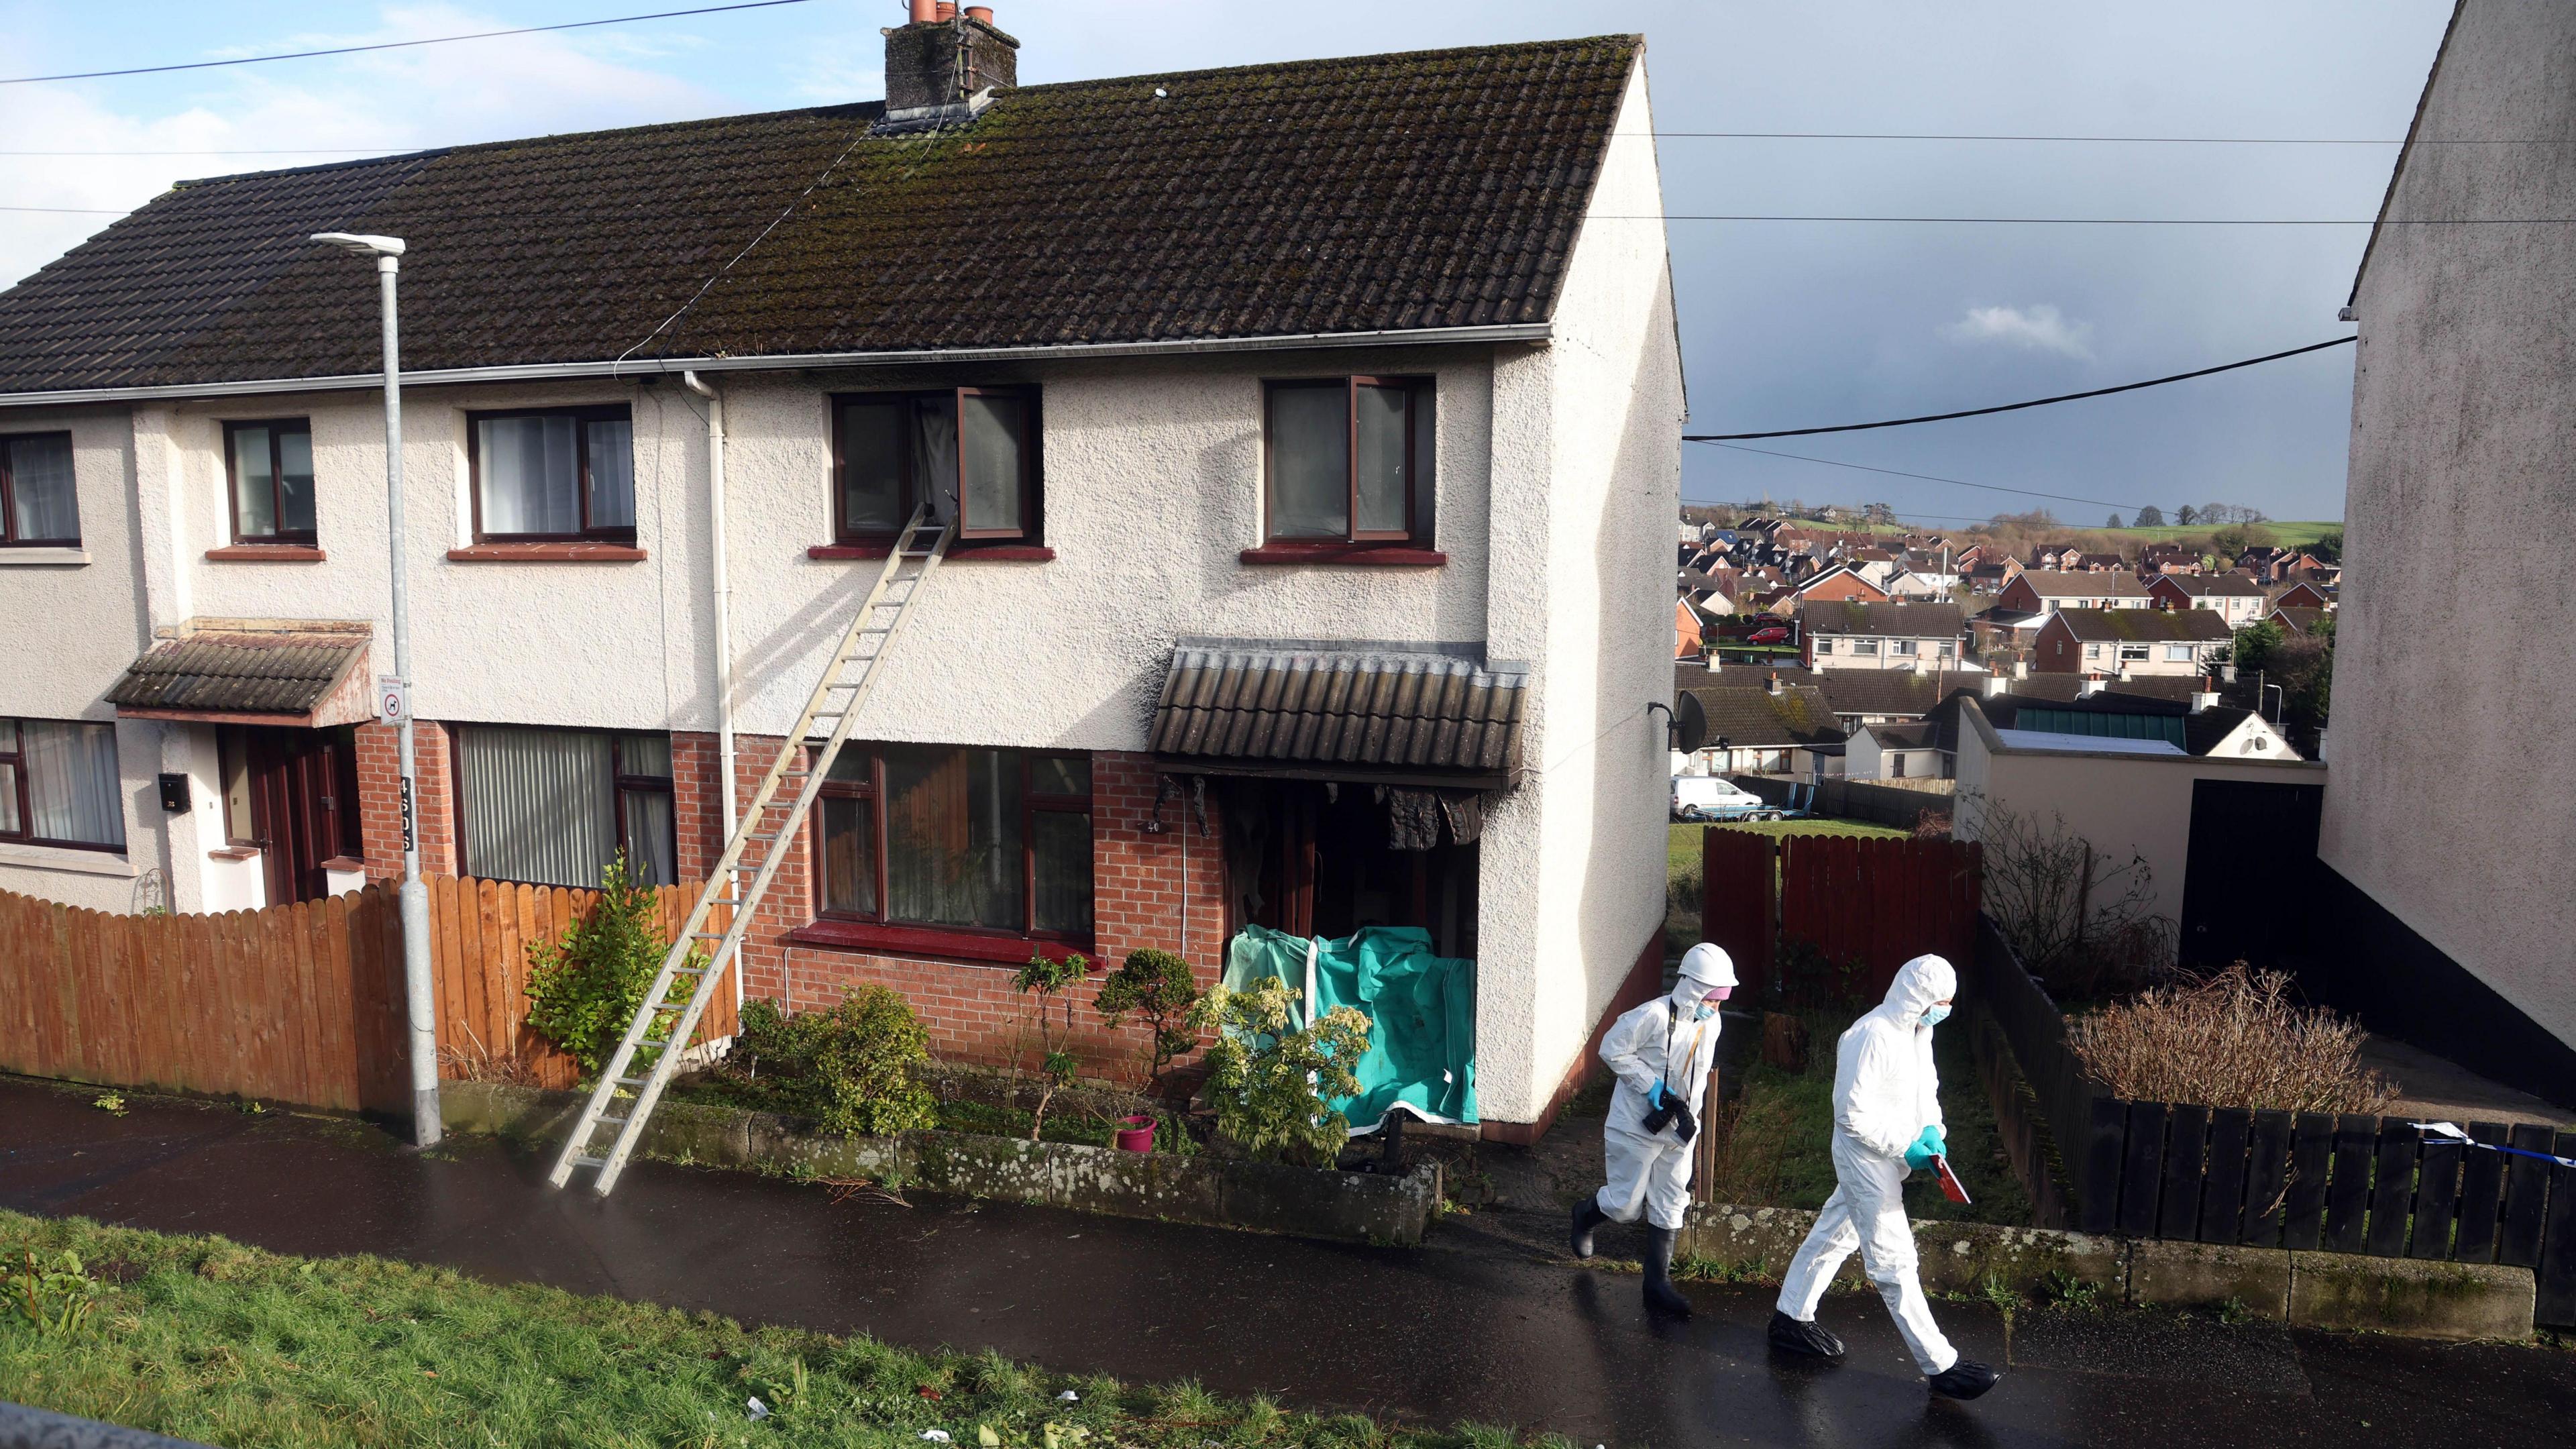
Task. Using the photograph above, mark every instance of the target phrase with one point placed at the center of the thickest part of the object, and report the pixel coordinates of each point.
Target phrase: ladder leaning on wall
(663, 1024)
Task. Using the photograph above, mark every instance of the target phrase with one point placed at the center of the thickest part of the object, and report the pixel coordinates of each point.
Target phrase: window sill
(957, 552)
(1374, 555)
(929, 941)
(66, 858)
(234, 852)
(265, 553)
(546, 553)
(41, 554)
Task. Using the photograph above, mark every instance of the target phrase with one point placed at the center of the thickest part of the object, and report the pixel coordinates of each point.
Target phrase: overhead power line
(2036, 402)
(21, 80)
(1926, 477)
(65, 210)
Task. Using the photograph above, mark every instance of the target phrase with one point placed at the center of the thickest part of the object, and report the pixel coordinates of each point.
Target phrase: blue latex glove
(1657, 1099)
(1925, 1147)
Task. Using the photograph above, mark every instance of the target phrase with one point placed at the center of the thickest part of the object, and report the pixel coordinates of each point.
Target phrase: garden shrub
(1271, 1086)
(1042, 980)
(850, 1068)
(1156, 986)
(2233, 1039)
(584, 988)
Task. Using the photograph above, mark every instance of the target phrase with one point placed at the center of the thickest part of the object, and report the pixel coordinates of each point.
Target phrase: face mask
(1706, 1010)
(1935, 1015)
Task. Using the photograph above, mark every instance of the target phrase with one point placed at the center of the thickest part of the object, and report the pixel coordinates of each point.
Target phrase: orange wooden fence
(300, 1004)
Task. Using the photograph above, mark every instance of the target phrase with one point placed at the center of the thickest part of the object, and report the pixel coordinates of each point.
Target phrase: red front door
(303, 796)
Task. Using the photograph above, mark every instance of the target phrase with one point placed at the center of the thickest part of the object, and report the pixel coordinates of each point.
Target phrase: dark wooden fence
(300, 1004)
(2347, 1183)
(1878, 903)
(1880, 804)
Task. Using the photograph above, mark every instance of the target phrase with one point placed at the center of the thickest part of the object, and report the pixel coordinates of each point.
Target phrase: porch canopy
(291, 672)
(1396, 714)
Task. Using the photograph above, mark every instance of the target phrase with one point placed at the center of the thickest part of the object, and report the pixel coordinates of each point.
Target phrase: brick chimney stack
(941, 58)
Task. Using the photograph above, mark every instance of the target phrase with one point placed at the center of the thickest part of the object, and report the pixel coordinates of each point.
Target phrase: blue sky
(1785, 324)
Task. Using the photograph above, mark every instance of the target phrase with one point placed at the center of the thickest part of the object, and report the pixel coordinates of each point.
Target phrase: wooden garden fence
(296, 1004)
(1875, 902)
(2339, 1183)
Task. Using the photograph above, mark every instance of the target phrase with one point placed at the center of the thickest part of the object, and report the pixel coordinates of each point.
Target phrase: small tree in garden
(584, 988)
(1271, 1086)
(2083, 922)
(1042, 981)
(1157, 987)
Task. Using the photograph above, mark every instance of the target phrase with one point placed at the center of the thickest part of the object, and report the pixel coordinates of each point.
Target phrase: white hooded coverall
(1885, 1094)
(1658, 1042)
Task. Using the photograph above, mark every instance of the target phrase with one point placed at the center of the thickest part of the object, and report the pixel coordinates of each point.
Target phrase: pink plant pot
(1136, 1135)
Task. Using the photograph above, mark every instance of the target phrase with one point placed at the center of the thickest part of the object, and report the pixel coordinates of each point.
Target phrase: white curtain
(531, 475)
(1310, 456)
(40, 488)
(612, 473)
(540, 805)
(992, 454)
(934, 454)
(71, 782)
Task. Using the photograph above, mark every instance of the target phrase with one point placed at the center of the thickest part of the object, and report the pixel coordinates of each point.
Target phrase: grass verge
(204, 1339)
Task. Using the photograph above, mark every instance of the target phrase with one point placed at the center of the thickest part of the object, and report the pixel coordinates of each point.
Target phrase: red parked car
(1769, 634)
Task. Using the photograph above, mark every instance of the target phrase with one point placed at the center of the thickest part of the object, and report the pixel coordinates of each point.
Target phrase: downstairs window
(956, 838)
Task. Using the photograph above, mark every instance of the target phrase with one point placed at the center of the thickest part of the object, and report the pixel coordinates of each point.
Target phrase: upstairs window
(58, 784)
(1348, 461)
(2133, 653)
(560, 475)
(964, 450)
(2178, 654)
(1864, 646)
(38, 506)
(270, 466)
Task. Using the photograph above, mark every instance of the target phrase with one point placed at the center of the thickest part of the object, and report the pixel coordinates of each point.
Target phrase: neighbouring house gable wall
(2463, 447)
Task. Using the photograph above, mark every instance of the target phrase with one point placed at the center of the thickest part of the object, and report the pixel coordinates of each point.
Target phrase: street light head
(358, 245)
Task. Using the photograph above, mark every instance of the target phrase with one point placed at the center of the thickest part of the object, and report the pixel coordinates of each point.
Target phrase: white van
(1712, 797)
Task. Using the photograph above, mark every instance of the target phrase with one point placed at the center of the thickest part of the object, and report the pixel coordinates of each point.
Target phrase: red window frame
(9, 498)
(601, 412)
(13, 753)
(303, 537)
(871, 788)
(1030, 529)
(1414, 390)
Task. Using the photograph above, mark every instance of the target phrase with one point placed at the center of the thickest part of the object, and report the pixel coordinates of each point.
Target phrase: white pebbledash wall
(1557, 467)
(2448, 807)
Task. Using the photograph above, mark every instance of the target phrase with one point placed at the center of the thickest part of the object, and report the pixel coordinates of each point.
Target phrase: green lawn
(207, 1340)
(2295, 533)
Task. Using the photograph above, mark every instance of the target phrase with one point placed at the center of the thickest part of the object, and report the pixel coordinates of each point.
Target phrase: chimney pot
(940, 60)
(944, 10)
(924, 11)
(982, 13)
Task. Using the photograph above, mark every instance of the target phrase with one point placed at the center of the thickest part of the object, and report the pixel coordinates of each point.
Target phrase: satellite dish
(1690, 723)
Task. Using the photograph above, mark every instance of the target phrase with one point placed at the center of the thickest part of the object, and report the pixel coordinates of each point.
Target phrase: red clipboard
(1951, 1187)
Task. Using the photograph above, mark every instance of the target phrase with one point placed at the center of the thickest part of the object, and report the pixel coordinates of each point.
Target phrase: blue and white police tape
(2450, 1132)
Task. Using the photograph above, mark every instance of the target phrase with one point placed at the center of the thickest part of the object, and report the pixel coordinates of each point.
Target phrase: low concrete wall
(1259, 1196)
(2312, 1290)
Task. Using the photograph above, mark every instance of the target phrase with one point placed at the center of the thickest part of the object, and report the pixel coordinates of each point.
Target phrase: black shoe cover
(1587, 1216)
(1966, 1379)
(1791, 1336)
(1661, 1295)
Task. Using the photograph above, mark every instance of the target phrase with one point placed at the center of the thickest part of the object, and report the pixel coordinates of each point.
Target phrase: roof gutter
(1532, 332)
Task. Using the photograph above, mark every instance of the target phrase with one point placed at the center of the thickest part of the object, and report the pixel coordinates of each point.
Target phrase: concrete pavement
(1474, 1327)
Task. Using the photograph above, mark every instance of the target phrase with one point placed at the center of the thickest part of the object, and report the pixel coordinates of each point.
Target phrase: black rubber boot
(1661, 1295)
(1587, 1216)
(1789, 1335)
(1966, 1379)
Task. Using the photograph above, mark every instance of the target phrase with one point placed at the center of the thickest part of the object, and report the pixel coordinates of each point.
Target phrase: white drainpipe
(723, 593)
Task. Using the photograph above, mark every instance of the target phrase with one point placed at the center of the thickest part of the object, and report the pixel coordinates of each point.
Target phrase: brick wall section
(380, 799)
(697, 808)
(1145, 886)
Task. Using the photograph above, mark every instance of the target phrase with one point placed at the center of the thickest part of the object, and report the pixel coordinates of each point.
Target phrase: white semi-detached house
(1301, 416)
(2045, 591)
(2233, 597)
(1838, 635)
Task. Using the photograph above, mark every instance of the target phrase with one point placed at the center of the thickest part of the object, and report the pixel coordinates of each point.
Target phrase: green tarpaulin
(1421, 1010)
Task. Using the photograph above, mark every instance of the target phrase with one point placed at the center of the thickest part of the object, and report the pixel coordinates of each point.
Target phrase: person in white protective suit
(1661, 1053)
(1887, 1122)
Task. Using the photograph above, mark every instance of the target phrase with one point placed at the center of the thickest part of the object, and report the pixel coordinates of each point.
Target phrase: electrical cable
(2012, 407)
(1926, 477)
(22, 80)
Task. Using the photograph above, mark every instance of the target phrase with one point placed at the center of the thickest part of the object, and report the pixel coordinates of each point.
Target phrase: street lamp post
(418, 991)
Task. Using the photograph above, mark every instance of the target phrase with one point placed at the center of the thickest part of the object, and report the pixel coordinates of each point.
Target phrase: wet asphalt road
(1471, 1328)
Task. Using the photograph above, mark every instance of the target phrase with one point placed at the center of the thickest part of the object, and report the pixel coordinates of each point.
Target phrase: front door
(2253, 845)
(298, 790)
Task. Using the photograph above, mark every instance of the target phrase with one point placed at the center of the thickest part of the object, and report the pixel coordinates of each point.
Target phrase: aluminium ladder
(625, 1099)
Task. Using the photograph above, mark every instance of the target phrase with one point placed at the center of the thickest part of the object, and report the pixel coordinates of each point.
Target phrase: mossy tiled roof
(1431, 189)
